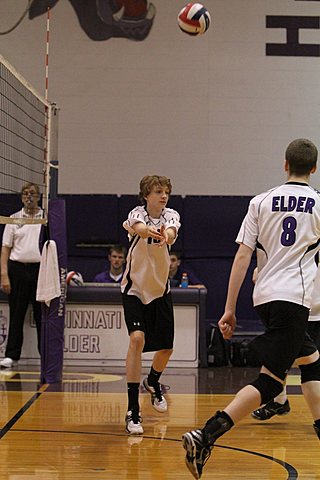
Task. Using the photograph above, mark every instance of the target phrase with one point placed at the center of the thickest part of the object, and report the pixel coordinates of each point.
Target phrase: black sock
(154, 377)
(317, 423)
(133, 396)
(216, 426)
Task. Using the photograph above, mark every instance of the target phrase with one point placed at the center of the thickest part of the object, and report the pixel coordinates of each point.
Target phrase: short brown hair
(149, 181)
(27, 185)
(118, 248)
(301, 155)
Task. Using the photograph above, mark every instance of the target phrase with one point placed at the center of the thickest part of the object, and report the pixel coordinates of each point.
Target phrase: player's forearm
(141, 229)
(144, 231)
(238, 272)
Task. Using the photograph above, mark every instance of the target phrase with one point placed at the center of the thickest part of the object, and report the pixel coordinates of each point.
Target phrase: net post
(26, 141)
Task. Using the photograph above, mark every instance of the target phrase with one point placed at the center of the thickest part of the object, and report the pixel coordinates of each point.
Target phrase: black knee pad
(267, 386)
(310, 372)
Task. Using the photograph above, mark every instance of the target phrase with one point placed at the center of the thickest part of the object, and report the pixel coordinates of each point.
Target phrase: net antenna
(25, 142)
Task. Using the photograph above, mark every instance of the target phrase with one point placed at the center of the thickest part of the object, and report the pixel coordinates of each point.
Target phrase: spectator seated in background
(176, 271)
(117, 259)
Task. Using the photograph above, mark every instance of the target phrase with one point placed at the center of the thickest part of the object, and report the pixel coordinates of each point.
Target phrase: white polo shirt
(23, 239)
(283, 224)
(147, 269)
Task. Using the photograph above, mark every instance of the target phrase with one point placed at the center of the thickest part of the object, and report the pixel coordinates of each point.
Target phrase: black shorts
(154, 319)
(285, 338)
(313, 329)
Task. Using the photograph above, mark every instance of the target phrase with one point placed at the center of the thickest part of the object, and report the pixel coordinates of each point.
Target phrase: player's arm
(145, 231)
(227, 322)
(168, 235)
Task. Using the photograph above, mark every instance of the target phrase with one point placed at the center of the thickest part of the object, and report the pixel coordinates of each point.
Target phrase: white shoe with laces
(158, 401)
(7, 363)
(133, 423)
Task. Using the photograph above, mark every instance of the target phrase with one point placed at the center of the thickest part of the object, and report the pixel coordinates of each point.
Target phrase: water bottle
(184, 281)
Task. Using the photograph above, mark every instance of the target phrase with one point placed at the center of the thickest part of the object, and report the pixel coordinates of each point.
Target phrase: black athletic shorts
(314, 331)
(154, 319)
(285, 338)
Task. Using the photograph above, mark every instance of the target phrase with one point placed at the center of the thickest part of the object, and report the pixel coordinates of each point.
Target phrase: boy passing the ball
(283, 226)
(146, 296)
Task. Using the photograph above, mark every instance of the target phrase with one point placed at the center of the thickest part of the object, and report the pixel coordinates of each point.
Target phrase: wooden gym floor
(75, 430)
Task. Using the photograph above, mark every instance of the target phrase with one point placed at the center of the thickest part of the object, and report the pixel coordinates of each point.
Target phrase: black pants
(23, 278)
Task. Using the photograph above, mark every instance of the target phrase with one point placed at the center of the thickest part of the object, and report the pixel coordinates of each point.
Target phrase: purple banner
(52, 324)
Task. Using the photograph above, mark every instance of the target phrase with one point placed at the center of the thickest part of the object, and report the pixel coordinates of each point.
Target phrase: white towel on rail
(48, 286)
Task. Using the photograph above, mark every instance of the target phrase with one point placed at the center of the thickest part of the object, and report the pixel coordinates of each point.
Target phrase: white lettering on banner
(108, 319)
(98, 334)
(63, 284)
(81, 344)
(92, 331)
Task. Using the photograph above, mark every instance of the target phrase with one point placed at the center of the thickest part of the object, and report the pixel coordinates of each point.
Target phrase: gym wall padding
(206, 240)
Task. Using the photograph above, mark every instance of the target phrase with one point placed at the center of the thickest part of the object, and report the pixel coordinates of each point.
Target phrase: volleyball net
(25, 143)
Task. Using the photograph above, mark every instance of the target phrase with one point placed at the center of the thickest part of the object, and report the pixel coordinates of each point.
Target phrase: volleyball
(74, 279)
(194, 19)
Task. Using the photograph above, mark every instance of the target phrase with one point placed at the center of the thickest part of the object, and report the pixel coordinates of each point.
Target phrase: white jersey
(147, 269)
(283, 224)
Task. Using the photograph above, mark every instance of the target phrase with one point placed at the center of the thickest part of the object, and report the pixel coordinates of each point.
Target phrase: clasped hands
(161, 236)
